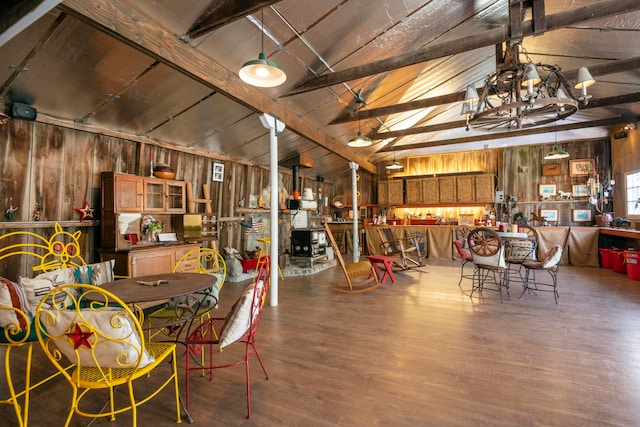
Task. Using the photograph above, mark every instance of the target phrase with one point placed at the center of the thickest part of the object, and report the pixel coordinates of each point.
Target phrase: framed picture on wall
(550, 215)
(581, 215)
(218, 172)
(580, 190)
(581, 167)
(547, 190)
(551, 169)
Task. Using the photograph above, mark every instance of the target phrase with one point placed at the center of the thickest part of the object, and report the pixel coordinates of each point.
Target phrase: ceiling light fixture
(524, 95)
(556, 153)
(359, 140)
(262, 72)
(394, 164)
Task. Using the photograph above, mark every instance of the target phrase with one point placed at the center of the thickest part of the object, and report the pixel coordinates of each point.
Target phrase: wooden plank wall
(59, 168)
(522, 175)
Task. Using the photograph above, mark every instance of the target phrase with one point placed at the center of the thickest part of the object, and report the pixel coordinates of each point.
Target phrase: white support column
(354, 187)
(274, 125)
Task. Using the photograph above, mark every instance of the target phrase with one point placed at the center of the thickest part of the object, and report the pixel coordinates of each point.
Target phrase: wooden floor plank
(420, 352)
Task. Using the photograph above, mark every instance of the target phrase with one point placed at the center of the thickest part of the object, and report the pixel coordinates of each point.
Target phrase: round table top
(131, 291)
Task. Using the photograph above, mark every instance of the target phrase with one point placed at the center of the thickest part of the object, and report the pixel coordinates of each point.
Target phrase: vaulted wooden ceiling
(167, 71)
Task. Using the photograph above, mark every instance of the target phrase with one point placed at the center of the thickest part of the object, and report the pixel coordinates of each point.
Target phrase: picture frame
(580, 190)
(552, 169)
(547, 190)
(580, 167)
(581, 215)
(550, 215)
(218, 172)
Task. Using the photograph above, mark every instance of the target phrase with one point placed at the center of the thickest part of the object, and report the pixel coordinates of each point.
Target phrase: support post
(354, 187)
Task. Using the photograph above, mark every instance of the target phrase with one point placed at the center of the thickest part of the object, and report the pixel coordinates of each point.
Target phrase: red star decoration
(86, 212)
(80, 337)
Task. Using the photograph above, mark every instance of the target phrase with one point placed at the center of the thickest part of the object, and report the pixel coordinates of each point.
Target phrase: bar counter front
(436, 241)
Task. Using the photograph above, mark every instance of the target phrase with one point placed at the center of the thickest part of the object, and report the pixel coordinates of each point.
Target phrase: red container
(631, 259)
(617, 261)
(248, 264)
(605, 258)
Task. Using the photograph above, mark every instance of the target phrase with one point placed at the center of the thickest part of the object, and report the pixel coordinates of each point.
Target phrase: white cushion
(115, 344)
(496, 260)
(552, 257)
(239, 318)
(40, 285)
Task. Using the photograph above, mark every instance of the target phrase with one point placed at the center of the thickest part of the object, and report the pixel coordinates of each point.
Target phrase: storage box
(248, 264)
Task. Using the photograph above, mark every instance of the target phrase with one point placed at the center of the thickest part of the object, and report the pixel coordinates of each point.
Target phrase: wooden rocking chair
(407, 249)
(363, 271)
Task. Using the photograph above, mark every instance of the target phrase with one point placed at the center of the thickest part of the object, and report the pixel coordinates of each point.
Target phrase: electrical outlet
(499, 196)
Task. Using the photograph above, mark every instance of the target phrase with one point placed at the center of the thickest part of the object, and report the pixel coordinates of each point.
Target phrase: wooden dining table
(147, 291)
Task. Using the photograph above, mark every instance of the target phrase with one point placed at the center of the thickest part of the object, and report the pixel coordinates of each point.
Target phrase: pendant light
(262, 72)
(359, 140)
(556, 153)
(394, 164)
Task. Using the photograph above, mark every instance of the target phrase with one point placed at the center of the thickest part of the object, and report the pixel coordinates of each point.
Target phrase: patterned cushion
(116, 343)
(95, 274)
(14, 323)
(520, 250)
(40, 285)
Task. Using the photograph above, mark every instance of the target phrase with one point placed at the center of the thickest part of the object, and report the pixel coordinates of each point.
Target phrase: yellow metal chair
(102, 337)
(170, 319)
(60, 250)
(266, 242)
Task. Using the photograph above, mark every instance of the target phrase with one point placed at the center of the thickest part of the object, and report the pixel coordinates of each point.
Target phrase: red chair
(465, 257)
(238, 326)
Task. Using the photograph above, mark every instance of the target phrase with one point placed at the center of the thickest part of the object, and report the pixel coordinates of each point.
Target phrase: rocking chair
(363, 271)
(407, 249)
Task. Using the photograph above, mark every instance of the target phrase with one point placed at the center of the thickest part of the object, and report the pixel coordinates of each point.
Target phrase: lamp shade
(359, 141)
(466, 111)
(262, 72)
(584, 79)
(556, 153)
(471, 94)
(394, 165)
(530, 75)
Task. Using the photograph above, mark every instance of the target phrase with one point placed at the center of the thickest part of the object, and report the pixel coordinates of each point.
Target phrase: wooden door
(447, 189)
(414, 191)
(395, 193)
(382, 192)
(430, 192)
(485, 189)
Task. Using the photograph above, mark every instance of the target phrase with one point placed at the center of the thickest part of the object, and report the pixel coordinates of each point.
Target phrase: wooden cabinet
(430, 192)
(145, 261)
(465, 189)
(414, 191)
(485, 188)
(391, 192)
(447, 189)
(421, 191)
(134, 194)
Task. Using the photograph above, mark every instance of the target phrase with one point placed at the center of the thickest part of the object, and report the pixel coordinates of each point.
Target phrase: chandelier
(523, 95)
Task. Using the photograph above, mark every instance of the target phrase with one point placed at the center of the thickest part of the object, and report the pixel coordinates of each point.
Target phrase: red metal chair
(238, 326)
(465, 257)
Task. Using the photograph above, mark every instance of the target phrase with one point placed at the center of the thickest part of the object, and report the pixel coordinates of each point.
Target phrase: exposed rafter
(512, 134)
(146, 36)
(487, 38)
(224, 12)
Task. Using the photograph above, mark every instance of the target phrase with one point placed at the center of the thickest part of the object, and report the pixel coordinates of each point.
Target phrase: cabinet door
(157, 262)
(154, 195)
(414, 191)
(395, 193)
(128, 193)
(382, 192)
(464, 189)
(485, 191)
(447, 189)
(175, 196)
(430, 190)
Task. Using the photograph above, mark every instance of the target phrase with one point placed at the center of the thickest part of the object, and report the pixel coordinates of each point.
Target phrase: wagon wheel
(484, 242)
(186, 306)
(462, 232)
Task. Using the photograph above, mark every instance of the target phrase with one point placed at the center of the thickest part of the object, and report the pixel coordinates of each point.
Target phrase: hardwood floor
(420, 352)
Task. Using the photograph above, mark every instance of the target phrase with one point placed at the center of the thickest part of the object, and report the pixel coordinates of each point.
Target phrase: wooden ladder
(192, 200)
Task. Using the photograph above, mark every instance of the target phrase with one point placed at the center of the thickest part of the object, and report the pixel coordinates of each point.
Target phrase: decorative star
(86, 212)
(80, 337)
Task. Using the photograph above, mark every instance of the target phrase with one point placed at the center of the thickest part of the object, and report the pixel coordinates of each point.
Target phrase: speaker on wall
(23, 111)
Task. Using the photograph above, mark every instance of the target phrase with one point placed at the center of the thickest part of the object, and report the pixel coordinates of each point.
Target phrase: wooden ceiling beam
(116, 18)
(512, 134)
(16, 15)
(556, 21)
(223, 12)
(612, 67)
(594, 103)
